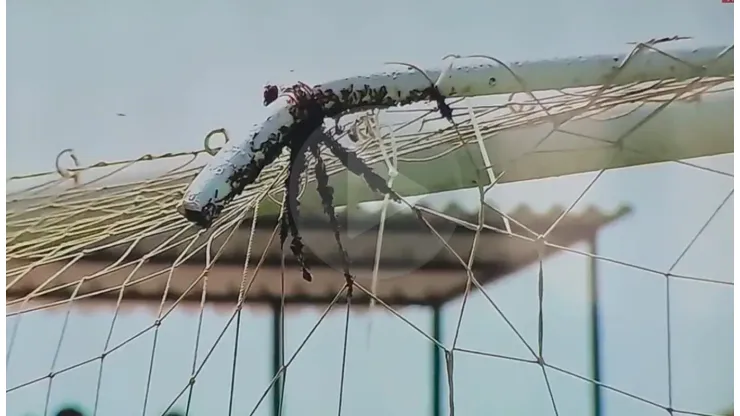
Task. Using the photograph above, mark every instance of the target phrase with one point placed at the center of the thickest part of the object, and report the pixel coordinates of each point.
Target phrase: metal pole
(436, 361)
(595, 335)
(276, 349)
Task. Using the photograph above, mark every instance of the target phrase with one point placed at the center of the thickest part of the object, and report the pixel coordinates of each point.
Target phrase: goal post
(559, 117)
(514, 121)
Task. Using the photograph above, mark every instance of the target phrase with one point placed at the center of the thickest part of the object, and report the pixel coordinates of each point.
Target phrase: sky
(180, 69)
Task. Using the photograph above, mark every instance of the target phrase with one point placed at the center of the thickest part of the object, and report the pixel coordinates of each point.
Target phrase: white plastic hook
(64, 172)
(207, 141)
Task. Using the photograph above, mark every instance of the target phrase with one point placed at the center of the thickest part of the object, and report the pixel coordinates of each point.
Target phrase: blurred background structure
(433, 285)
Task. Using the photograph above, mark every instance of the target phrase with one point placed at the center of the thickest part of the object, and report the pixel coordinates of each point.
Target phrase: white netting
(63, 226)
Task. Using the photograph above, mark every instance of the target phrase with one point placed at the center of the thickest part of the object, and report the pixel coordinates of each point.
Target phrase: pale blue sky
(179, 69)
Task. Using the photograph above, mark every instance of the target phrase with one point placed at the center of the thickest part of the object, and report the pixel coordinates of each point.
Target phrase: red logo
(728, 1)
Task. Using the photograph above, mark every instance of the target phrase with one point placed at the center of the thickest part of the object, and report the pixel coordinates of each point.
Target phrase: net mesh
(60, 221)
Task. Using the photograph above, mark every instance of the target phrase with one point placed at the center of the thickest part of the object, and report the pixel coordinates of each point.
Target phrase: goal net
(563, 246)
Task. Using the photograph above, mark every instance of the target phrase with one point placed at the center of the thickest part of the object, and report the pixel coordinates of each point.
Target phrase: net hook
(207, 141)
(64, 172)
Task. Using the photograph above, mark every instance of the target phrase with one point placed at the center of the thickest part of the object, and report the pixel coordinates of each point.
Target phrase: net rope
(67, 215)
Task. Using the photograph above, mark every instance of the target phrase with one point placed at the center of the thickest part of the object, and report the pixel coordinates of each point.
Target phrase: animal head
(270, 94)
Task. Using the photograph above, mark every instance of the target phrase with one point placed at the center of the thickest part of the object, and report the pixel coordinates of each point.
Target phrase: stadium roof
(408, 275)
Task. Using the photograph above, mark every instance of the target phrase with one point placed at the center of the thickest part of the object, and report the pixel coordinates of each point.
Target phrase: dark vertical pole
(595, 335)
(276, 349)
(436, 361)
